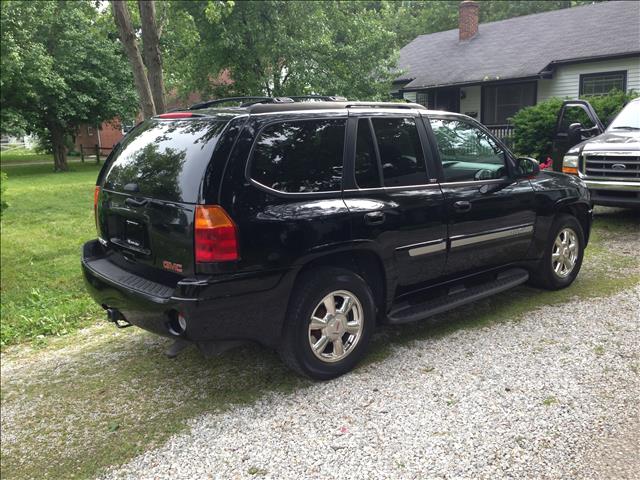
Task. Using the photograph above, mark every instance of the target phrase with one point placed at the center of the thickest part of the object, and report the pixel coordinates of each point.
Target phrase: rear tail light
(216, 236)
(96, 198)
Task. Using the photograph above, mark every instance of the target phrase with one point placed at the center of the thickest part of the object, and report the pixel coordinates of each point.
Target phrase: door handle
(374, 218)
(462, 206)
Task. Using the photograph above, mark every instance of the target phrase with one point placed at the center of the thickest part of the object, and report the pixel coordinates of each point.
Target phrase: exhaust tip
(177, 324)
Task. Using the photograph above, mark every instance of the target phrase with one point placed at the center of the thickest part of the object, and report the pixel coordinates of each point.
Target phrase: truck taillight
(216, 236)
(96, 198)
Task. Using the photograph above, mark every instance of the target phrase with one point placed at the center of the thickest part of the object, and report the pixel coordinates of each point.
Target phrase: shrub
(3, 188)
(534, 127)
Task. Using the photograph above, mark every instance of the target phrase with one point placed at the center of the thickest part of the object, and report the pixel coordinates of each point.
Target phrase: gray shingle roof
(522, 46)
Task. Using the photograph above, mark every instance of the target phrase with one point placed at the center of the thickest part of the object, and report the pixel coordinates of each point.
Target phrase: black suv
(301, 225)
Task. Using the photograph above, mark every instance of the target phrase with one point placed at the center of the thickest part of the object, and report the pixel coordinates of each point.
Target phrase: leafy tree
(288, 47)
(60, 69)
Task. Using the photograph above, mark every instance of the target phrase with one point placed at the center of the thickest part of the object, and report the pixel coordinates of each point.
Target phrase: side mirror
(527, 167)
(574, 134)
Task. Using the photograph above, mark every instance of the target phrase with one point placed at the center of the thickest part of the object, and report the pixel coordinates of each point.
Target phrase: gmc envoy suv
(302, 224)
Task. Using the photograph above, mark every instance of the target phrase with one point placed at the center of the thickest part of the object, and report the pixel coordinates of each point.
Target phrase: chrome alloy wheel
(565, 252)
(335, 327)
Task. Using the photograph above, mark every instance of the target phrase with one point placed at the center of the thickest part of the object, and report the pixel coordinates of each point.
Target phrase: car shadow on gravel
(106, 395)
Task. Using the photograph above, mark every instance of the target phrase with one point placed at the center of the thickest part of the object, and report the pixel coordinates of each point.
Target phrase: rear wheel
(329, 323)
(563, 255)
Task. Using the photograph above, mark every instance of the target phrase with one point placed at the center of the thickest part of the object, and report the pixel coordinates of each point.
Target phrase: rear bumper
(248, 306)
(614, 193)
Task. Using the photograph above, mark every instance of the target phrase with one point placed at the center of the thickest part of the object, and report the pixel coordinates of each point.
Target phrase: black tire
(312, 287)
(545, 276)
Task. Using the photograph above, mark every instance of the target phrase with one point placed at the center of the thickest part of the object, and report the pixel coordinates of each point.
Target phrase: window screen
(602, 83)
(467, 152)
(502, 102)
(300, 156)
(367, 172)
(401, 154)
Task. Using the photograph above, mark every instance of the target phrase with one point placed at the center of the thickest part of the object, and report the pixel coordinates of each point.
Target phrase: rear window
(300, 156)
(164, 160)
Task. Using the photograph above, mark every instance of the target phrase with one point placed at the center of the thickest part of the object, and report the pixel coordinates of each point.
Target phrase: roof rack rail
(404, 106)
(319, 98)
(244, 101)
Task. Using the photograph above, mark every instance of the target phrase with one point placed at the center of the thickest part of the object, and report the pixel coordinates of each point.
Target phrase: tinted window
(300, 156)
(166, 160)
(367, 173)
(467, 152)
(400, 151)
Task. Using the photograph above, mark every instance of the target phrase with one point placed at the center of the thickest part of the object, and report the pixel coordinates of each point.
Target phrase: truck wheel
(329, 323)
(563, 255)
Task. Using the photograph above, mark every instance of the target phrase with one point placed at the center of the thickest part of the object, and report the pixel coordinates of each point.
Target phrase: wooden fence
(95, 151)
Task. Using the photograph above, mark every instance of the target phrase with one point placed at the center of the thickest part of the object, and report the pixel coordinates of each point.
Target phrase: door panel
(404, 220)
(494, 229)
(490, 217)
(411, 238)
(576, 121)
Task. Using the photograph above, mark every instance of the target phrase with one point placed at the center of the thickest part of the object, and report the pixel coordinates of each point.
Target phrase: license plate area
(134, 234)
(129, 234)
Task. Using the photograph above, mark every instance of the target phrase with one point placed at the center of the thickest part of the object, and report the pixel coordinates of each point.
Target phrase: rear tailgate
(149, 191)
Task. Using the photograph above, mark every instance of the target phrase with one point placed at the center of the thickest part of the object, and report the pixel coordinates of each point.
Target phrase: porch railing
(503, 132)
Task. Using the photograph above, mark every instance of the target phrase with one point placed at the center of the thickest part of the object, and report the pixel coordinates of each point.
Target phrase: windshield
(628, 118)
(165, 160)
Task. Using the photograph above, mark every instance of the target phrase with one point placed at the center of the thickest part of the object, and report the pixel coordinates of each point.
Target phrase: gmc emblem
(173, 267)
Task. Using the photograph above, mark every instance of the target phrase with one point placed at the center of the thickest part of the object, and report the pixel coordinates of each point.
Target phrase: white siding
(566, 78)
(471, 101)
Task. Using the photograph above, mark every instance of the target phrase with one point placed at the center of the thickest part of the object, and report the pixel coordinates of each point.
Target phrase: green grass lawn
(50, 216)
(21, 156)
(24, 156)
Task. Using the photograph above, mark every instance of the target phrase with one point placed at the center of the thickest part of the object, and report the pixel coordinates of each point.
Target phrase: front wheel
(563, 255)
(329, 323)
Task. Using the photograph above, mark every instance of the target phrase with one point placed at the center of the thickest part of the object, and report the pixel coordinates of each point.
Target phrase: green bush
(534, 127)
(3, 188)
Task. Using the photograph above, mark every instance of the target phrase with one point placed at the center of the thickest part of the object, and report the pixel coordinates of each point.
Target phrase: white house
(492, 70)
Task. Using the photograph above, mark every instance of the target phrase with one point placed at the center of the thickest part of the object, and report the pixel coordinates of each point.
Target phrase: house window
(602, 83)
(89, 130)
(501, 102)
(422, 98)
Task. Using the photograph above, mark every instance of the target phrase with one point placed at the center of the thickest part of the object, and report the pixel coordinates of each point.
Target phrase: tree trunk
(128, 38)
(152, 56)
(59, 148)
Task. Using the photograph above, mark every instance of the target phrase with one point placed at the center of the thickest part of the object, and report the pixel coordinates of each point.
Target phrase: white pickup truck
(608, 160)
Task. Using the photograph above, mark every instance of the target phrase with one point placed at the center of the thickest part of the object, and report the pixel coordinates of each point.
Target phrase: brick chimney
(468, 19)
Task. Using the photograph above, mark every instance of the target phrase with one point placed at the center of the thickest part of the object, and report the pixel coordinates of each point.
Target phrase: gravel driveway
(555, 395)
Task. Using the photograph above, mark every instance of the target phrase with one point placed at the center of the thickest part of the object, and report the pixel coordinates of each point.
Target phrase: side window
(300, 156)
(401, 154)
(467, 152)
(367, 173)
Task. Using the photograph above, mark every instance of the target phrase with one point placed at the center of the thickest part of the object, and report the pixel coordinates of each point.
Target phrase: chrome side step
(456, 297)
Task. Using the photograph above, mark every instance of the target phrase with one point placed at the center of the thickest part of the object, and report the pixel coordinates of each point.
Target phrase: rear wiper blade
(626, 127)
